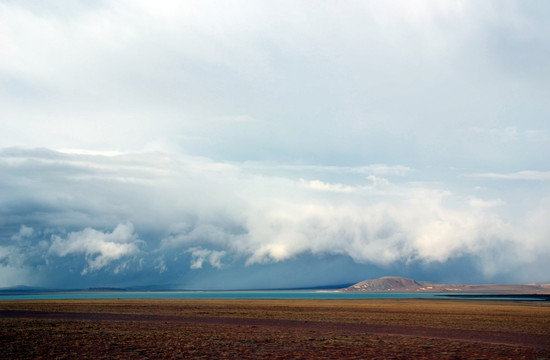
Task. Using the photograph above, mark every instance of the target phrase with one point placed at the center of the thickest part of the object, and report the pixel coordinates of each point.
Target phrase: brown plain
(274, 329)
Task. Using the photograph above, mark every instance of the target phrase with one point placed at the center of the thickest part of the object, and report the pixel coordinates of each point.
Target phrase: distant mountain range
(32, 289)
(23, 289)
(400, 284)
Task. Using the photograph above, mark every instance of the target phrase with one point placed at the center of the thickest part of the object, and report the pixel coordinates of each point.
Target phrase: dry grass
(139, 339)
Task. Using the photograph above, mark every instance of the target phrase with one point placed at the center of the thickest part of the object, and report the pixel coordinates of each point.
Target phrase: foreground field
(276, 329)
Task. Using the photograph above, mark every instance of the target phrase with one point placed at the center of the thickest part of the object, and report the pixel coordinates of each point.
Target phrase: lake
(294, 294)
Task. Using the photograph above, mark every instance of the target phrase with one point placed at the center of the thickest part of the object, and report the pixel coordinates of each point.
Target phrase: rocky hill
(400, 284)
(386, 284)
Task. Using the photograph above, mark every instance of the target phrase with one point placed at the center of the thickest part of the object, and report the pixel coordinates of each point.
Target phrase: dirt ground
(274, 329)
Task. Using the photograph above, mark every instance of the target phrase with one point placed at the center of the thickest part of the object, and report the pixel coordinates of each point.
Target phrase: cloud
(512, 133)
(485, 204)
(128, 77)
(160, 265)
(24, 232)
(13, 271)
(416, 228)
(100, 248)
(212, 211)
(321, 186)
(223, 233)
(537, 135)
(528, 175)
(200, 255)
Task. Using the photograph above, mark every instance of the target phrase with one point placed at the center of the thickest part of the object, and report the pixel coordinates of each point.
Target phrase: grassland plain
(275, 329)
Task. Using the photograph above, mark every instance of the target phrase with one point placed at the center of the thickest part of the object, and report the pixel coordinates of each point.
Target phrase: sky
(261, 144)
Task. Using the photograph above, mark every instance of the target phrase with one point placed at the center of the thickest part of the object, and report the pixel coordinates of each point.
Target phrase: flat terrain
(275, 329)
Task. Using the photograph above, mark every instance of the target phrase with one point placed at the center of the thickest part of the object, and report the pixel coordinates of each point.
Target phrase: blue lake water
(212, 295)
(321, 295)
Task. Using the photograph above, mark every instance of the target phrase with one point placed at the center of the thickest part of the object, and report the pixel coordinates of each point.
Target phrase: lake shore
(308, 329)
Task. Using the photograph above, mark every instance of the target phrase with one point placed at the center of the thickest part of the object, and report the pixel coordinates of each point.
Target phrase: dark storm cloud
(167, 217)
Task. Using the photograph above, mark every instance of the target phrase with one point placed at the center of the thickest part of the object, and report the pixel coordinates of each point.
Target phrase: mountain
(21, 288)
(386, 284)
(400, 284)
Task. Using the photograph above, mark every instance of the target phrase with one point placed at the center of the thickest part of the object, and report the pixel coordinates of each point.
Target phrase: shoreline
(265, 294)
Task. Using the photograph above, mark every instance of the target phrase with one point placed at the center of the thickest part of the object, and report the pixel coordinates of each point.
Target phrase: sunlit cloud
(529, 175)
(99, 248)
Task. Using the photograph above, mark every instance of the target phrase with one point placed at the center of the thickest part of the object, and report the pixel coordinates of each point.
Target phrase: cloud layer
(359, 82)
(137, 213)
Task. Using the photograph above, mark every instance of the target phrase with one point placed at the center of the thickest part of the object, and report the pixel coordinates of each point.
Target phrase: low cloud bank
(132, 213)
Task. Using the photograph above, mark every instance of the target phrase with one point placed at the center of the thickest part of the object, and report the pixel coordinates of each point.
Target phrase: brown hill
(400, 284)
(386, 283)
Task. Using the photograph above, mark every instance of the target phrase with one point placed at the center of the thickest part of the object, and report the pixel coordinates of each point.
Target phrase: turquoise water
(213, 295)
(321, 295)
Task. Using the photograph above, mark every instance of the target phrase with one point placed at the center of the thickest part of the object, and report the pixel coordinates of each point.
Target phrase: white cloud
(485, 204)
(129, 76)
(537, 135)
(529, 175)
(160, 265)
(416, 228)
(24, 232)
(512, 133)
(100, 248)
(321, 186)
(534, 234)
(200, 255)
